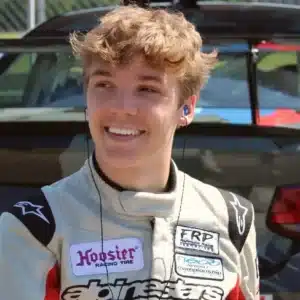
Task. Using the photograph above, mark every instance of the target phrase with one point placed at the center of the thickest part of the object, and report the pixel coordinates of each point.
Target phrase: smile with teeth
(124, 131)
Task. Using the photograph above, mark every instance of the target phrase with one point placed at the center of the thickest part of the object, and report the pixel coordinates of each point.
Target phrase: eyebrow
(100, 72)
(140, 77)
(153, 78)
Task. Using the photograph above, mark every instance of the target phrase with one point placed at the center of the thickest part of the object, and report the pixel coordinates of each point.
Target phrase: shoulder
(68, 189)
(232, 210)
(35, 213)
(72, 182)
(40, 213)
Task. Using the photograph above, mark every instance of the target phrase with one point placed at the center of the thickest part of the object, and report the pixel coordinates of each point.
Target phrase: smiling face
(133, 112)
(140, 65)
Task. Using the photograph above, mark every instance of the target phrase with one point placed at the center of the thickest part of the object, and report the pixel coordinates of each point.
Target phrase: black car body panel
(214, 19)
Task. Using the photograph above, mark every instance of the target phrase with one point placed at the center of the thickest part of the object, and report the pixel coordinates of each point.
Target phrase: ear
(188, 116)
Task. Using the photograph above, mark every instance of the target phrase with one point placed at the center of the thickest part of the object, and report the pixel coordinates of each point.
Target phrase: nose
(124, 103)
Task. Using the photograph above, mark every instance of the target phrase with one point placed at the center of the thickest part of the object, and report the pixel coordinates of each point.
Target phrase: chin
(123, 160)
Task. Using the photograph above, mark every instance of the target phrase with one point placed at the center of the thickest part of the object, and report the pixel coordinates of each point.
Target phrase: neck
(147, 178)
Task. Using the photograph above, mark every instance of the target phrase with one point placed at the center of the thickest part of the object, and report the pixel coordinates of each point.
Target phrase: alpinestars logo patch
(142, 289)
(29, 208)
(240, 214)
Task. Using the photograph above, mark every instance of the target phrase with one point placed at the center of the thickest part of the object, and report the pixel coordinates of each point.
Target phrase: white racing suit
(194, 242)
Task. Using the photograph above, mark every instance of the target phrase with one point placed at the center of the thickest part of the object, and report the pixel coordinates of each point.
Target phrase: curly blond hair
(167, 41)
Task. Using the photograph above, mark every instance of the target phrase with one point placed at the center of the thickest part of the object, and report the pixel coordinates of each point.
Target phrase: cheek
(91, 100)
(94, 116)
(164, 120)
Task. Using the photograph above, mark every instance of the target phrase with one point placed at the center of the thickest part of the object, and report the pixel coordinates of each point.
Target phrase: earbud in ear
(186, 110)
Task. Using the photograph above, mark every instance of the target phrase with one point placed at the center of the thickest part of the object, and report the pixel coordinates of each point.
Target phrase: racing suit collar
(170, 184)
(135, 203)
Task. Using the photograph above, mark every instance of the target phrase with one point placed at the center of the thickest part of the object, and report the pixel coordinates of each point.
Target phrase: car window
(225, 96)
(42, 80)
(13, 80)
(50, 84)
(53, 80)
(279, 72)
(229, 76)
(65, 87)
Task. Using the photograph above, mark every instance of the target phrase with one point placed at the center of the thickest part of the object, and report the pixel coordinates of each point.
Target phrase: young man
(130, 225)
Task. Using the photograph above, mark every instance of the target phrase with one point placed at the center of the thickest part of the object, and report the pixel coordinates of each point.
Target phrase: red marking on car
(277, 47)
(280, 117)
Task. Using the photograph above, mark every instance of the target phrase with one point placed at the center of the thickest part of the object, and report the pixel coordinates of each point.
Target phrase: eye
(148, 89)
(104, 85)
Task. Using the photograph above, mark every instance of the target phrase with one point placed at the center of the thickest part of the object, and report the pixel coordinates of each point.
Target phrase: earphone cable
(100, 201)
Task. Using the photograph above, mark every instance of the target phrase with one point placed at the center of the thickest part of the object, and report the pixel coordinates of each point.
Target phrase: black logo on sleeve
(240, 216)
(36, 215)
(30, 208)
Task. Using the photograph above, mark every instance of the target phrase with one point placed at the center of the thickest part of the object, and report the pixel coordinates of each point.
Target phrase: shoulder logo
(29, 208)
(240, 214)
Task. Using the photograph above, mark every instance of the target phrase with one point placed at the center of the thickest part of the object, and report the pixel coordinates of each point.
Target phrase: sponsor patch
(199, 267)
(151, 289)
(197, 239)
(120, 255)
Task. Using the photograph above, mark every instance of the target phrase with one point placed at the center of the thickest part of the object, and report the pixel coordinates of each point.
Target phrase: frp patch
(197, 239)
